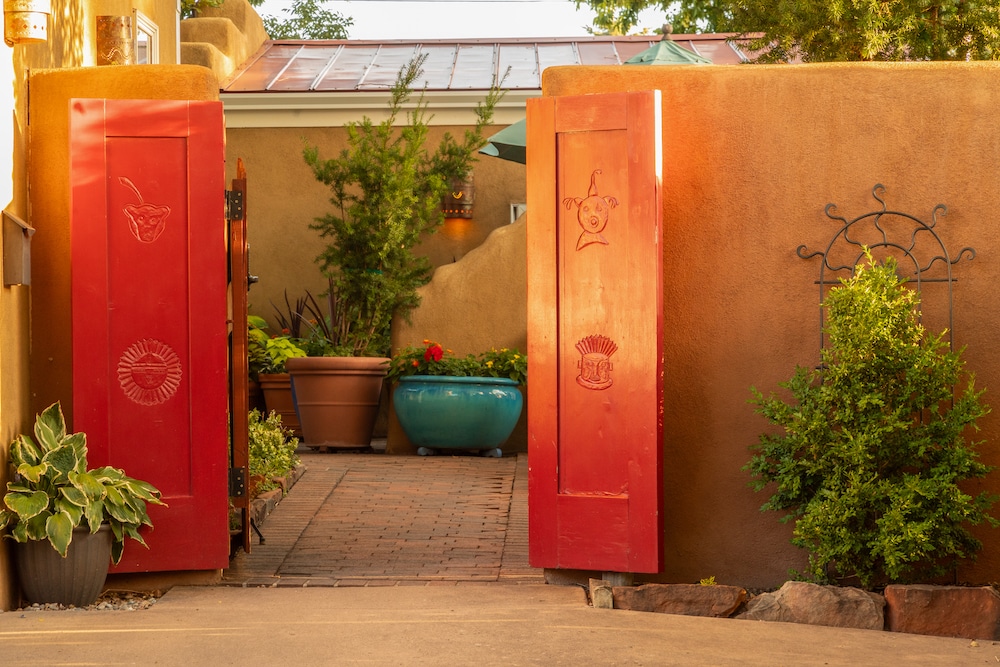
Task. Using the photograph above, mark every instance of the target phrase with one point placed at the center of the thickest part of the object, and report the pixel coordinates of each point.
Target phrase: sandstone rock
(600, 594)
(944, 611)
(686, 599)
(801, 602)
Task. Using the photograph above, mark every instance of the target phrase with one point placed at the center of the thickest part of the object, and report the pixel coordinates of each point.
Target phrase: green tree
(308, 19)
(824, 31)
(873, 452)
(620, 17)
(386, 189)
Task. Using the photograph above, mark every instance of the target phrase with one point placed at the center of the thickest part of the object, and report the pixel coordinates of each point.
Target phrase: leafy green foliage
(386, 191)
(268, 354)
(432, 359)
(873, 450)
(272, 448)
(53, 492)
(829, 31)
(307, 19)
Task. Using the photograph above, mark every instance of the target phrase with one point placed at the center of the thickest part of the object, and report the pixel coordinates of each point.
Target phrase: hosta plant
(53, 492)
(872, 461)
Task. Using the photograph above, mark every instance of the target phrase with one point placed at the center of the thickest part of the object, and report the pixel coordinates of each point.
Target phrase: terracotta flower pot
(277, 389)
(337, 399)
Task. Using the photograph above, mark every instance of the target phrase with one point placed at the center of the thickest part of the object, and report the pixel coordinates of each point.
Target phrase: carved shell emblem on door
(146, 221)
(592, 213)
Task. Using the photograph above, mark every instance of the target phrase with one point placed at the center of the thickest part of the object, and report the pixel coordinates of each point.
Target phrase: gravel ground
(108, 601)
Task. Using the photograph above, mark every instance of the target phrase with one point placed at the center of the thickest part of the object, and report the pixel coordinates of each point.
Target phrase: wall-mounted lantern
(457, 201)
(26, 21)
(115, 42)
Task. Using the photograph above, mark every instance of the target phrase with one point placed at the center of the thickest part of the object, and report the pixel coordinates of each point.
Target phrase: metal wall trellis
(888, 233)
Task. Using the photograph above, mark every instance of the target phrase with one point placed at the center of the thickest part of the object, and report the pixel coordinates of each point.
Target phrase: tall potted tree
(386, 188)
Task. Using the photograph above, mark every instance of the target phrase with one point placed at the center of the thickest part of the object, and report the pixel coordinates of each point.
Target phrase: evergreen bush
(873, 454)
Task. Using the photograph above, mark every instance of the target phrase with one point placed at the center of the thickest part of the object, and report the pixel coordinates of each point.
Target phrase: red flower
(416, 364)
(433, 353)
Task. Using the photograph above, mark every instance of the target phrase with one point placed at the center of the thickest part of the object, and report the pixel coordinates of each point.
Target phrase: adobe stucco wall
(13, 300)
(222, 38)
(752, 155)
(284, 198)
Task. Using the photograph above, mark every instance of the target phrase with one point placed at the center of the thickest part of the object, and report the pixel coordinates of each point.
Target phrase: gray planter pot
(76, 580)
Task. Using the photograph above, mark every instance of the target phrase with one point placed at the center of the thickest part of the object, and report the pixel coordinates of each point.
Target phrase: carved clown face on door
(592, 213)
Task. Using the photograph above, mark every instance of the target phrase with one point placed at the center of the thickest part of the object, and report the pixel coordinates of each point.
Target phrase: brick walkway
(377, 520)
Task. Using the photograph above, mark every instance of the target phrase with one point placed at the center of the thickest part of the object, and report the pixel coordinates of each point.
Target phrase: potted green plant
(386, 190)
(69, 522)
(267, 355)
(448, 402)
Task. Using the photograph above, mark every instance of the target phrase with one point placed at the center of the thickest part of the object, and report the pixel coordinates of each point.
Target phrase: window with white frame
(147, 40)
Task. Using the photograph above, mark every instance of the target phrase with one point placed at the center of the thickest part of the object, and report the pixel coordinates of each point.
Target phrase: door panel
(594, 333)
(148, 262)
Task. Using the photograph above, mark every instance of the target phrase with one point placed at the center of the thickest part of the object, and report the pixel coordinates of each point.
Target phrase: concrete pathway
(375, 560)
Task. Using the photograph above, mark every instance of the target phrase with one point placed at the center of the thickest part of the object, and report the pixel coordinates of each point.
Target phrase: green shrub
(268, 354)
(272, 448)
(873, 450)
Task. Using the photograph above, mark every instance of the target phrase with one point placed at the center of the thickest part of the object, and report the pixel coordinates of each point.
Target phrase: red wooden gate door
(595, 309)
(148, 261)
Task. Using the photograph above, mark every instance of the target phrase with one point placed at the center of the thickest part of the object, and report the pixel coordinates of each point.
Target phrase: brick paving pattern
(377, 520)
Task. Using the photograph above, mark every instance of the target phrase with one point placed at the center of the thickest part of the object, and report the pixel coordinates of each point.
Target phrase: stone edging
(264, 504)
(972, 612)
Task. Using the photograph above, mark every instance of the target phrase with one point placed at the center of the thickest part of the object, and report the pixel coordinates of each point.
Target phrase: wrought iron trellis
(876, 231)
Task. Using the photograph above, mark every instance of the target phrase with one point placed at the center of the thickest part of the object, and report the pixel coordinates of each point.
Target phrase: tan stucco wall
(48, 173)
(222, 38)
(73, 31)
(13, 300)
(752, 155)
(284, 198)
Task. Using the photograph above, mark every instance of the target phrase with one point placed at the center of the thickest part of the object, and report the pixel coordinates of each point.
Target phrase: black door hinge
(237, 482)
(234, 205)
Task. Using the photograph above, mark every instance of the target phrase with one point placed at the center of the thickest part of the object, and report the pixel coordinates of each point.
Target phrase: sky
(447, 19)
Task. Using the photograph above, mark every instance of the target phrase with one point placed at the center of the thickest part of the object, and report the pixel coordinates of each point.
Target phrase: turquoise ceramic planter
(442, 412)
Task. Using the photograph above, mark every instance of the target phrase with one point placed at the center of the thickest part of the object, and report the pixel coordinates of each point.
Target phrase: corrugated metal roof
(451, 65)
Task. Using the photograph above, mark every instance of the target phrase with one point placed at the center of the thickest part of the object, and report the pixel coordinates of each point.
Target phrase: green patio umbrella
(510, 142)
(667, 52)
